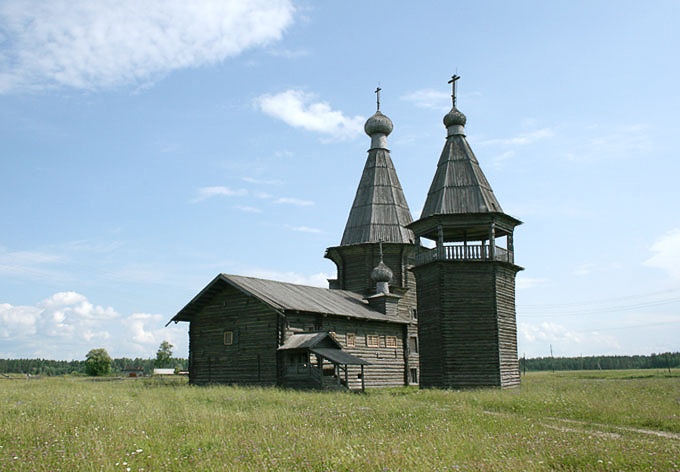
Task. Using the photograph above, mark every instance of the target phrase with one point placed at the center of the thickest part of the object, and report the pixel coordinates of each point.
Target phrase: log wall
(466, 324)
(251, 359)
(389, 365)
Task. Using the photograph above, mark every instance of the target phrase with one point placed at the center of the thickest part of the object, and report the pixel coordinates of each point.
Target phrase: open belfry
(466, 284)
(398, 312)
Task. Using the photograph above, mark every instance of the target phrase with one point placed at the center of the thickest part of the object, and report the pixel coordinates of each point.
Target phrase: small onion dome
(454, 117)
(382, 273)
(378, 123)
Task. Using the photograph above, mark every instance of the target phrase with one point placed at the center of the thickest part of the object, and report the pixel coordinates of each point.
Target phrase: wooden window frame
(413, 340)
(350, 340)
(391, 342)
(228, 337)
(372, 340)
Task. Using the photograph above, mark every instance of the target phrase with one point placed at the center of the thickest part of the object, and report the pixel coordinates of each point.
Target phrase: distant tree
(97, 362)
(163, 355)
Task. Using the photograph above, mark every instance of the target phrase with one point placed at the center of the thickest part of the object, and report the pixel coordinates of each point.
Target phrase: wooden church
(398, 313)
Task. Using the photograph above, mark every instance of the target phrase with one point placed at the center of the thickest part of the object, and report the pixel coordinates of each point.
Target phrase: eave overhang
(464, 226)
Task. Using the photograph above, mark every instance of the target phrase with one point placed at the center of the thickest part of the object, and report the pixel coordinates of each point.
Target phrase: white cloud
(666, 253)
(252, 180)
(430, 99)
(138, 330)
(35, 264)
(67, 325)
(584, 269)
(616, 142)
(304, 229)
(522, 139)
(289, 53)
(64, 315)
(499, 159)
(565, 342)
(247, 209)
(293, 201)
(523, 283)
(205, 193)
(92, 45)
(298, 109)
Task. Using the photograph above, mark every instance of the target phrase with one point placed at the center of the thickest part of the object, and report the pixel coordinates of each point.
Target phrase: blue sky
(147, 147)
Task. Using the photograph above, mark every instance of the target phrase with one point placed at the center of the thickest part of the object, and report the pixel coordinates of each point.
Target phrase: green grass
(620, 420)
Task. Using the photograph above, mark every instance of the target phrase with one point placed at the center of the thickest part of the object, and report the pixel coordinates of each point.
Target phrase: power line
(610, 305)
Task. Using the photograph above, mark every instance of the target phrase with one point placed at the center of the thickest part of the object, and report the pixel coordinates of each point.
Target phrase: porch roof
(338, 356)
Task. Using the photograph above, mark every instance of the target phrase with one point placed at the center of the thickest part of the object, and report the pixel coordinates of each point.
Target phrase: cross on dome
(454, 79)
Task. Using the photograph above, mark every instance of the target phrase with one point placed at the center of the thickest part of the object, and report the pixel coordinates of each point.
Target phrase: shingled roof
(379, 212)
(459, 185)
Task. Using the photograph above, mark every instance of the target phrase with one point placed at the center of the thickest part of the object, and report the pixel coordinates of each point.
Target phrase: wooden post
(511, 249)
(492, 241)
(363, 381)
(465, 245)
(440, 242)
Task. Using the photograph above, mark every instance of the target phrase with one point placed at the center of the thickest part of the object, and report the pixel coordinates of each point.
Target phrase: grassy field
(619, 420)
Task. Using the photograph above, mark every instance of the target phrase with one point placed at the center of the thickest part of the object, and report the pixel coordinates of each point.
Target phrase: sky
(146, 147)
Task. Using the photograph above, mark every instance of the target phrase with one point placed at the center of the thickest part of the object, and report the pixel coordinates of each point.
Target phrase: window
(372, 340)
(414, 313)
(413, 344)
(391, 342)
(350, 340)
(228, 338)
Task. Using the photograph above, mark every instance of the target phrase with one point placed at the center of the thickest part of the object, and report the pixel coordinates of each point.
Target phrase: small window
(350, 340)
(391, 342)
(413, 344)
(228, 338)
(372, 340)
(414, 313)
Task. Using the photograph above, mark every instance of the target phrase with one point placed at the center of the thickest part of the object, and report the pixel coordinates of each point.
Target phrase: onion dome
(378, 123)
(382, 273)
(454, 118)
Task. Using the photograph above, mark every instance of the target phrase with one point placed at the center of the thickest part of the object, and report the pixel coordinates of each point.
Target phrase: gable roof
(287, 297)
(320, 339)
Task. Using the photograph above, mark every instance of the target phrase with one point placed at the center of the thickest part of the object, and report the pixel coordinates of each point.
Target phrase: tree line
(97, 363)
(666, 360)
(48, 367)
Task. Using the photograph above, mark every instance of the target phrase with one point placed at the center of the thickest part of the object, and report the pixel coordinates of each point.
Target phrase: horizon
(146, 150)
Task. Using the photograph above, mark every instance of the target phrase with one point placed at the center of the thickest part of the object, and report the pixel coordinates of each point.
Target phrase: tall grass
(565, 421)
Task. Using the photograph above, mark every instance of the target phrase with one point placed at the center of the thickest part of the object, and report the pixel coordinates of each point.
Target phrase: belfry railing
(468, 252)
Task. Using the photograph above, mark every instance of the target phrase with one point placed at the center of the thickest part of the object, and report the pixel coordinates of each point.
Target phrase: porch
(316, 361)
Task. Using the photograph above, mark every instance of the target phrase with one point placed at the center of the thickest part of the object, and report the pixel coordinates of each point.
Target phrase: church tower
(466, 284)
(376, 231)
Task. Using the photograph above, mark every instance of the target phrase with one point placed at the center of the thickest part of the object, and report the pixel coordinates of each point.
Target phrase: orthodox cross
(377, 93)
(453, 80)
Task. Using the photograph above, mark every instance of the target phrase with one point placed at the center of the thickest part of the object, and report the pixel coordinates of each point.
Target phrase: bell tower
(466, 283)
